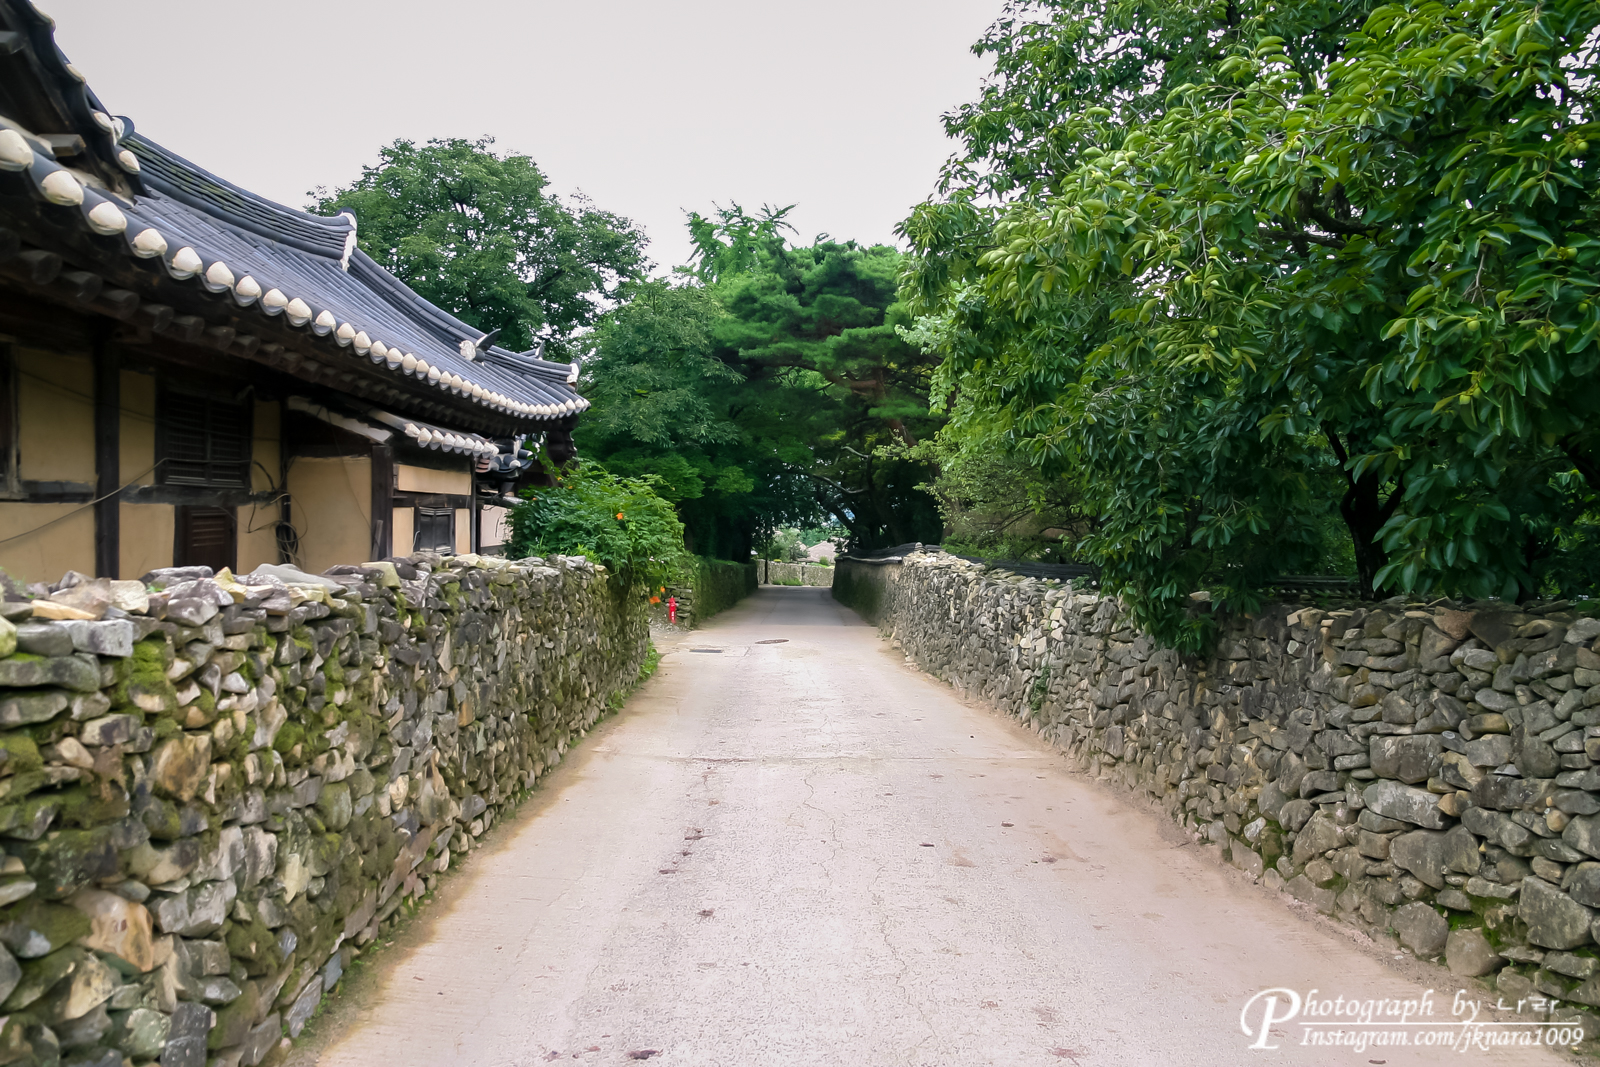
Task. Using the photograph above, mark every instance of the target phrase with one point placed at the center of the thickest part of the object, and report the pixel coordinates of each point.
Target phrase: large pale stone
(142, 1033)
(93, 596)
(1421, 929)
(118, 926)
(181, 764)
(260, 855)
(1470, 955)
(268, 722)
(196, 912)
(1583, 834)
(130, 596)
(160, 865)
(1422, 852)
(113, 637)
(1583, 883)
(1461, 851)
(225, 859)
(1554, 919)
(89, 985)
(1408, 759)
(1416, 806)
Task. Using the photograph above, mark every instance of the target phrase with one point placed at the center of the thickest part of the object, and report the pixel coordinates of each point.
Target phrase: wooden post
(382, 501)
(107, 459)
(474, 516)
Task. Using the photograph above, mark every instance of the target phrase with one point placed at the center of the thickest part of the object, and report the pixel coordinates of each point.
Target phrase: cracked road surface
(806, 853)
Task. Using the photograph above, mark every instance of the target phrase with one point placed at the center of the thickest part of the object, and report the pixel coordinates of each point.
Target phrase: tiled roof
(270, 258)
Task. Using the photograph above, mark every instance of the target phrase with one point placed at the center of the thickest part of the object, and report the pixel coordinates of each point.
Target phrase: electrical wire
(85, 507)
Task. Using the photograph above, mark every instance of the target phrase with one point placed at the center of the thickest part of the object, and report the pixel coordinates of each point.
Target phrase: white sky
(651, 108)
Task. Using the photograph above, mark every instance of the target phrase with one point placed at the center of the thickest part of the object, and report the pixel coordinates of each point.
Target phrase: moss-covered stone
(143, 683)
(71, 859)
(41, 975)
(18, 753)
(35, 928)
(235, 1020)
(160, 817)
(29, 818)
(86, 806)
(253, 943)
(289, 737)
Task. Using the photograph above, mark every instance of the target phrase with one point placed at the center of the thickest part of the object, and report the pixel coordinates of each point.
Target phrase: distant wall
(1427, 772)
(207, 803)
(775, 573)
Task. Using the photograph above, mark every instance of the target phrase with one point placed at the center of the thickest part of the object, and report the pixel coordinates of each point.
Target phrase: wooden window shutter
(204, 441)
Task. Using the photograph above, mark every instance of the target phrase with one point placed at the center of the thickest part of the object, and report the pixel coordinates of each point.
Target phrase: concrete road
(806, 853)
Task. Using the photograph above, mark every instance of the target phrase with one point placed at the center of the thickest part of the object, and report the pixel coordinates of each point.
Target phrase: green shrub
(622, 523)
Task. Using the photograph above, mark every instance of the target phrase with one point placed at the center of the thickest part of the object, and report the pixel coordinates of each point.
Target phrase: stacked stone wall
(215, 791)
(1427, 772)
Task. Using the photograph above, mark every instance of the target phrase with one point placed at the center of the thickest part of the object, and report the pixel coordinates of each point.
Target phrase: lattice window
(204, 441)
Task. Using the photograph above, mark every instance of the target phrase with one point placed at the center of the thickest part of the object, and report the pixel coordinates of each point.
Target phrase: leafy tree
(819, 328)
(759, 387)
(995, 503)
(1316, 259)
(784, 545)
(665, 405)
(736, 242)
(479, 234)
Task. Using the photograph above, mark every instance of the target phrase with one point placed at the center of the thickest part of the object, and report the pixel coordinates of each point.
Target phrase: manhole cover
(705, 650)
(774, 641)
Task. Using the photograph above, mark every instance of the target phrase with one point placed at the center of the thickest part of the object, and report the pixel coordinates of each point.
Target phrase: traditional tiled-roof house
(193, 374)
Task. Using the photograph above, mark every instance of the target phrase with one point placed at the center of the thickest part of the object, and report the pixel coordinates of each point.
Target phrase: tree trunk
(1364, 510)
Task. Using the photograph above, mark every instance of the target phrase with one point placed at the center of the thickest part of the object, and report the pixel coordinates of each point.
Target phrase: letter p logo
(1273, 1006)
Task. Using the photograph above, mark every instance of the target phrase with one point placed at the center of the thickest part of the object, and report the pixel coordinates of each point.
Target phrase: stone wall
(808, 574)
(1426, 771)
(213, 790)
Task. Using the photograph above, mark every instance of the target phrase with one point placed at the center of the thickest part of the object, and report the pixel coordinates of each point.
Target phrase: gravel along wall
(214, 789)
(1427, 772)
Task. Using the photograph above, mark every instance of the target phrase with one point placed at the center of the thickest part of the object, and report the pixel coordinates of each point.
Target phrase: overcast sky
(651, 108)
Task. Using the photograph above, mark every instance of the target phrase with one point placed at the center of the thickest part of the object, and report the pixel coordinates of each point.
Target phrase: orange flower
(619, 516)
(655, 600)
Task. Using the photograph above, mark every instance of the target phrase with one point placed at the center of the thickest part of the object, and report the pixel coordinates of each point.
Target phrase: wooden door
(205, 537)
